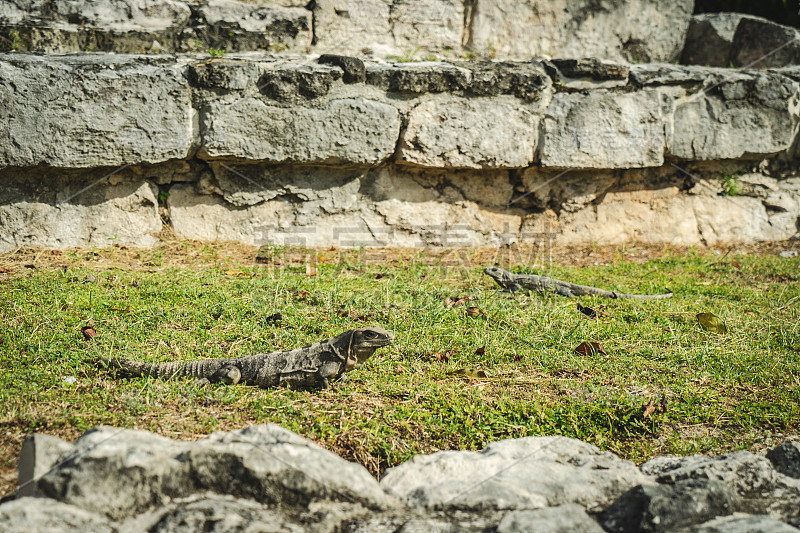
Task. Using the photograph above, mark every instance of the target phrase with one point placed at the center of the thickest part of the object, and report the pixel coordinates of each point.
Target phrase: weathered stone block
(93, 110)
(238, 26)
(343, 131)
(749, 118)
(56, 213)
(710, 37)
(39, 454)
(387, 26)
(760, 43)
(498, 132)
(570, 29)
(605, 130)
(541, 476)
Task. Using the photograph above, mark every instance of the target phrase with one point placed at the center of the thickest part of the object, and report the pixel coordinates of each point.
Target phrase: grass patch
(185, 300)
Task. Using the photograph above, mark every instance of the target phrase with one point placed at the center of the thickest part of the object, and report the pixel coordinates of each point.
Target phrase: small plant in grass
(216, 52)
(13, 42)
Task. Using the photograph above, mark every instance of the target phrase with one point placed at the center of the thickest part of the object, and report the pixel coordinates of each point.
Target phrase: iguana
(544, 285)
(309, 367)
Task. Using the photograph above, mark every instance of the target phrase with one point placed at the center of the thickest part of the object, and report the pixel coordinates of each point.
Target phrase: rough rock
(425, 77)
(710, 37)
(39, 454)
(565, 518)
(547, 471)
(786, 458)
(387, 27)
(237, 26)
(737, 119)
(353, 68)
(760, 43)
(760, 488)
(92, 208)
(347, 130)
(475, 133)
(121, 473)
(570, 29)
(605, 130)
(29, 515)
(655, 508)
(222, 515)
(97, 110)
(121, 26)
(742, 523)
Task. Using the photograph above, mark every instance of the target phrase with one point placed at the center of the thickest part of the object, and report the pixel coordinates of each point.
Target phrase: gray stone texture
(760, 43)
(267, 479)
(88, 111)
(527, 473)
(710, 37)
(574, 29)
(39, 454)
(786, 458)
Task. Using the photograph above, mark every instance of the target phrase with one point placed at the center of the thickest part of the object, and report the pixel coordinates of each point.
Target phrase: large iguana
(544, 285)
(309, 367)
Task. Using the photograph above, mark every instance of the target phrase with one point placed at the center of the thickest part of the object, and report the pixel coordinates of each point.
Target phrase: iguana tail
(127, 368)
(642, 296)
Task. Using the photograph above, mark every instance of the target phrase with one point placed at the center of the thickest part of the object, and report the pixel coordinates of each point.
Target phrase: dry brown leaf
(481, 351)
(302, 295)
(235, 273)
(649, 409)
(88, 333)
(379, 275)
(590, 348)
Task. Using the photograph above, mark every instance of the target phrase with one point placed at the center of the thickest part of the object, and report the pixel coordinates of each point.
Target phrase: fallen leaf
(649, 409)
(591, 313)
(481, 351)
(235, 273)
(400, 369)
(311, 269)
(705, 282)
(55, 252)
(88, 333)
(517, 357)
(711, 322)
(4, 270)
(302, 295)
(444, 357)
(736, 264)
(32, 267)
(379, 275)
(590, 348)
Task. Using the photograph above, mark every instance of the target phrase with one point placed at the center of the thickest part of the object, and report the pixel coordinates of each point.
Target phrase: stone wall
(333, 150)
(236, 121)
(265, 478)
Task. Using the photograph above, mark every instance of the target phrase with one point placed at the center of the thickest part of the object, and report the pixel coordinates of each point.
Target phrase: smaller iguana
(544, 285)
(310, 367)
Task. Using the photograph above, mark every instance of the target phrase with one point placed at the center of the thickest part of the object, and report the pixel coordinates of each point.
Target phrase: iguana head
(364, 342)
(503, 278)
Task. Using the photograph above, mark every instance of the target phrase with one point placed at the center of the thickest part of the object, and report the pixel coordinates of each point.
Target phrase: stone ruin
(395, 123)
(267, 479)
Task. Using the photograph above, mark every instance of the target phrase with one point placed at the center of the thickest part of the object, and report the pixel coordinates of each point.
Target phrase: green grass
(722, 392)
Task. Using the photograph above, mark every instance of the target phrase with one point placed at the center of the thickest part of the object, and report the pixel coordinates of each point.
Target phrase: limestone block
(760, 43)
(447, 132)
(237, 26)
(748, 118)
(560, 519)
(710, 37)
(604, 129)
(39, 454)
(120, 473)
(583, 28)
(347, 130)
(91, 110)
(541, 476)
(386, 27)
(43, 515)
(61, 215)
